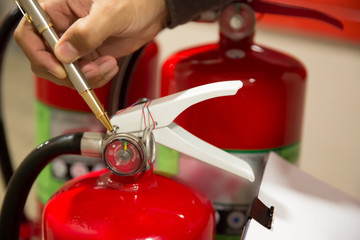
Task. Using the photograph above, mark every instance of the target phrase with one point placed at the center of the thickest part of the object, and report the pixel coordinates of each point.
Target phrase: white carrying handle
(164, 110)
(177, 138)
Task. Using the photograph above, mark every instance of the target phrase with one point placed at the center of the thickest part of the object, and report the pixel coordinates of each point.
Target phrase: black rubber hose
(121, 82)
(128, 75)
(6, 29)
(24, 177)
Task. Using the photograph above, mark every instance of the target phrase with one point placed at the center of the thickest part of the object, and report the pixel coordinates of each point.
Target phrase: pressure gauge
(124, 154)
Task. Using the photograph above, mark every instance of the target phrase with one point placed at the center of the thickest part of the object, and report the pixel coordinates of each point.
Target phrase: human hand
(95, 32)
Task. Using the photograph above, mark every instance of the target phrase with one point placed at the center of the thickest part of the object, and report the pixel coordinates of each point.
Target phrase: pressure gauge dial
(124, 155)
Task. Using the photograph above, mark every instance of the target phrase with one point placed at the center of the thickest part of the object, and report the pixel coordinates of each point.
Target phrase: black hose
(121, 82)
(24, 177)
(130, 68)
(6, 29)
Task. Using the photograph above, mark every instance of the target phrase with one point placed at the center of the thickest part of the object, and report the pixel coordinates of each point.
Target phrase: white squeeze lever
(163, 111)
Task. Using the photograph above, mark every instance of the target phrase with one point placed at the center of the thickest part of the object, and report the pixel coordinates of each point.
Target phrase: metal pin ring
(150, 145)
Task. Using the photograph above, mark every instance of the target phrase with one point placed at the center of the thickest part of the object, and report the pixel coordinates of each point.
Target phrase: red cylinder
(265, 115)
(102, 205)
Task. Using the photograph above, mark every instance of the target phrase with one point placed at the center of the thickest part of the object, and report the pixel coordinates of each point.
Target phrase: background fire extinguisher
(266, 116)
(61, 110)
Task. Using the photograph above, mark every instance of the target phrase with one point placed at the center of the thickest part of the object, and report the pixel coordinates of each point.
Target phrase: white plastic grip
(177, 138)
(164, 110)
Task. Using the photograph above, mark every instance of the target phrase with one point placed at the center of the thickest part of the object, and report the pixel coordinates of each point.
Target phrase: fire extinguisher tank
(266, 114)
(103, 205)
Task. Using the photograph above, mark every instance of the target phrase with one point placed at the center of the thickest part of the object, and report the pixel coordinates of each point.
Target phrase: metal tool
(36, 15)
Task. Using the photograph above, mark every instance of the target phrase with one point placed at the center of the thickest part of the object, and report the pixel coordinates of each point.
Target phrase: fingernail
(58, 72)
(106, 67)
(111, 74)
(90, 74)
(66, 52)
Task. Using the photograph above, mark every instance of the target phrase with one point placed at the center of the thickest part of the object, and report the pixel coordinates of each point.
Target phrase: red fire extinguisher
(265, 116)
(56, 115)
(127, 201)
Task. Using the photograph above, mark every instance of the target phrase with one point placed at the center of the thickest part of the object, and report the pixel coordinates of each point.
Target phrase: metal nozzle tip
(106, 122)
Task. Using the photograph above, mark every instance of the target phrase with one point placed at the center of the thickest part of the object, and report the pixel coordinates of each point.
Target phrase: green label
(290, 153)
(224, 237)
(42, 123)
(46, 185)
(170, 160)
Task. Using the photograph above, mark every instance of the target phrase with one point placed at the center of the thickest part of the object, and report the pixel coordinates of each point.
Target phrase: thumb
(82, 37)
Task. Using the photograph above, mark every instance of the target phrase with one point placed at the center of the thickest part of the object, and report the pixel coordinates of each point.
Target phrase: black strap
(261, 213)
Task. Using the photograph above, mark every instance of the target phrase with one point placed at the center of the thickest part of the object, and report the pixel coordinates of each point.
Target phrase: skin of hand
(94, 32)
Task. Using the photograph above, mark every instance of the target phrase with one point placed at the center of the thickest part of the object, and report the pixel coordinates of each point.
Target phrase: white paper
(305, 208)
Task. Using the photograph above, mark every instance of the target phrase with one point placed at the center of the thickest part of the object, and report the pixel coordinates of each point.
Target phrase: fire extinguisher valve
(132, 148)
(153, 122)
